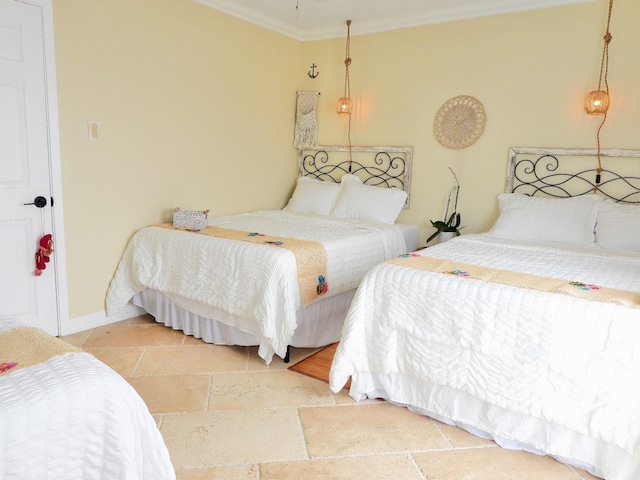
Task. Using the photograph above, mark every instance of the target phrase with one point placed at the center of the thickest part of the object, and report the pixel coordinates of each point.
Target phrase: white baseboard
(99, 319)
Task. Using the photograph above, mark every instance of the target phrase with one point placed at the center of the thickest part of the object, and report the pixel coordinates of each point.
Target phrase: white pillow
(313, 196)
(557, 220)
(618, 226)
(357, 201)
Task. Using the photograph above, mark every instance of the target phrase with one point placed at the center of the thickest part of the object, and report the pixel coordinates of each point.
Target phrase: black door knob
(39, 202)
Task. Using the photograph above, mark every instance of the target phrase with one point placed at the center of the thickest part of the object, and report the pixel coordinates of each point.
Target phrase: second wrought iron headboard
(388, 167)
(558, 172)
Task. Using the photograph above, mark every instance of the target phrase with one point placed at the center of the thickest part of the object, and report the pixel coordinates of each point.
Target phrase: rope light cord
(349, 139)
(604, 64)
(347, 62)
(347, 86)
(599, 169)
(604, 67)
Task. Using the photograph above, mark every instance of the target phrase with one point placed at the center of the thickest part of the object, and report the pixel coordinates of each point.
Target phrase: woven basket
(194, 220)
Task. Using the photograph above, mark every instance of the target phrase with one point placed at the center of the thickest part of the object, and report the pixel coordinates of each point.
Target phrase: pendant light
(598, 101)
(345, 105)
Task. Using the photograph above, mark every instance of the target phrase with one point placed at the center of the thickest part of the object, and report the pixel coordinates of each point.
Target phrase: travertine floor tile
(76, 339)
(123, 360)
(265, 390)
(233, 437)
(219, 473)
(173, 393)
(491, 463)
(259, 423)
(192, 359)
(367, 429)
(373, 467)
(133, 336)
(343, 398)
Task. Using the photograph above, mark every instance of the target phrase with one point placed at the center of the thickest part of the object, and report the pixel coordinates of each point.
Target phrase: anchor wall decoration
(313, 73)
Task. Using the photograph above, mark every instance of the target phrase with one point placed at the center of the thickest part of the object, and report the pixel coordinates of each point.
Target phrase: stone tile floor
(224, 414)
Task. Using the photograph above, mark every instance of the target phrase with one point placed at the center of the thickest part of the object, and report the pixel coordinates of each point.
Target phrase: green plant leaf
(439, 225)
(432, 237)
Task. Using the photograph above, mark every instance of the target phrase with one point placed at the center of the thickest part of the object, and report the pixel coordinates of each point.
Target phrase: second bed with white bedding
(253, 285)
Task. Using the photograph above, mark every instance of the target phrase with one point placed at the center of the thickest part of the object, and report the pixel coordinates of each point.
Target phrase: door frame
(55, 165)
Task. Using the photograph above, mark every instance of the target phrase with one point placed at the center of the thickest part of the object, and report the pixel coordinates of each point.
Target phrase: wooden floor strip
(317, 365)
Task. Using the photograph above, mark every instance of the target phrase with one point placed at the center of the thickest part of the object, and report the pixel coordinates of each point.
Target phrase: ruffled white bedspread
(253, 282)
(565, 361)
(72, 417)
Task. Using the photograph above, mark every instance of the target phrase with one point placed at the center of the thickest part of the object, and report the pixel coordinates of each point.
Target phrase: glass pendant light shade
(344, 106)
(597, 102)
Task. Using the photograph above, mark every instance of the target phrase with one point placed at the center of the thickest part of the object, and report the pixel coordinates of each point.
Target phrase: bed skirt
(508, 429)
(319, 324)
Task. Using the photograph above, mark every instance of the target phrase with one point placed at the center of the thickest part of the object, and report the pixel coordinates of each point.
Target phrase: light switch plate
(94, 129)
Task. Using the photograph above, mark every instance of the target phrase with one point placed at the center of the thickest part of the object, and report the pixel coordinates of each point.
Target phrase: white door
(26, 168)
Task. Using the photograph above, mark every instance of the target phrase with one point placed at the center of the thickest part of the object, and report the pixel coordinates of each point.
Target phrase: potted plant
(449, 226)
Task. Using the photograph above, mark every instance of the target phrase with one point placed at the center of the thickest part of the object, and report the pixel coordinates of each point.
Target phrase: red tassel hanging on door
(45, 249)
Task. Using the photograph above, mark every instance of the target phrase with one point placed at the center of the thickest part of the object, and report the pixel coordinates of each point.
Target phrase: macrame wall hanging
(306, 130)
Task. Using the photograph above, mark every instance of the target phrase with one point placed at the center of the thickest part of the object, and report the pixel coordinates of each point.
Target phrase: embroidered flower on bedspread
(276, 243)
(6, 366)
(458, 273)
(323, 287)
(409, 255)
(584, 286)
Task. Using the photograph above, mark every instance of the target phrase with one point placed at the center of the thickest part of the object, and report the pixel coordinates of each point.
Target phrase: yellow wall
(196, 111)
(198, 108)
(530, 70)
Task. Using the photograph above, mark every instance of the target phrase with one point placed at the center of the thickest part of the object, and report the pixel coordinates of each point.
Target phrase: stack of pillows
(580, 221)
(349, 199)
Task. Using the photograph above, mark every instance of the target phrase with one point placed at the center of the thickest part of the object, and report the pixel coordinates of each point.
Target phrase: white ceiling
(320, 19)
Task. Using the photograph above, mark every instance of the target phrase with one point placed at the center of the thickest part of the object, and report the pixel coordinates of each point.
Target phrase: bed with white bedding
(246, 290)
(528, 334)
(66, 415)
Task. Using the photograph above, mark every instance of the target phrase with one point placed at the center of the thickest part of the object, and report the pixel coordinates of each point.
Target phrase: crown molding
(442, 15)
(253, 16)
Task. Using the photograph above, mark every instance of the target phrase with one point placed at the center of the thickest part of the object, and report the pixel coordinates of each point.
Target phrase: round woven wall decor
(459, 122)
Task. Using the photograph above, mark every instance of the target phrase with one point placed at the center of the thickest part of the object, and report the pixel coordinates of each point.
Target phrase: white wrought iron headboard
(562, 172)
(388, 167)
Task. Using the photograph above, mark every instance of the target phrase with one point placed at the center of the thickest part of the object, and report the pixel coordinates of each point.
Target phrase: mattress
(548, 372)
(72, 417)
(254, 284)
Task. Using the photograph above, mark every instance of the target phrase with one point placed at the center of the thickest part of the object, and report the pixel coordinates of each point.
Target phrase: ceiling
(321, 19)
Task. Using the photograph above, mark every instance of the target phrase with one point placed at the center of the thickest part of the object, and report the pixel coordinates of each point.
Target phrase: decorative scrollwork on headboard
(559, 173)
(387, 167)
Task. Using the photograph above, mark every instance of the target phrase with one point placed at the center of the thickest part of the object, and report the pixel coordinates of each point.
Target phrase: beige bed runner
(521, 280)
(27, 346)
(311, 257)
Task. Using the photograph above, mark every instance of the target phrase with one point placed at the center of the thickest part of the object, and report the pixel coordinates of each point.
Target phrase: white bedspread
(72, 417)
(566, 361)
(254, 282)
